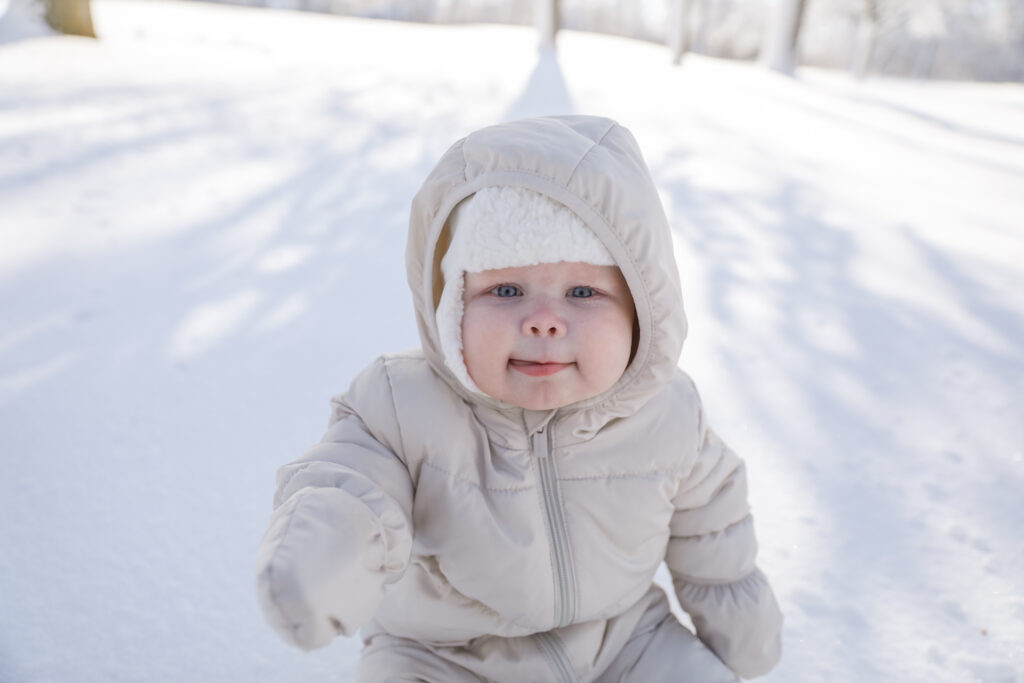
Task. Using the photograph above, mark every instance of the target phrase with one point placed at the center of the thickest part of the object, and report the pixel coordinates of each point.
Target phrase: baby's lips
(537, 368)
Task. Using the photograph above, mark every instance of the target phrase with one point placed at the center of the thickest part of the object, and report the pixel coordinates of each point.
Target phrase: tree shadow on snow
(546, 93)
(184, 364)
(855, 373)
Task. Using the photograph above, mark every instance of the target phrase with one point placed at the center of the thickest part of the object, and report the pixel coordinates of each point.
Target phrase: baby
(494, 506)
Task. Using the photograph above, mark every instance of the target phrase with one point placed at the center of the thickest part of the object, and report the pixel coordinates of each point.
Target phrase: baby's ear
(636, 338)
(444, 240)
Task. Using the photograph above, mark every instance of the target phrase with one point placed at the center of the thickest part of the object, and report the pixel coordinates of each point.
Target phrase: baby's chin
(538, 393)
(548, 400)
(532, 400)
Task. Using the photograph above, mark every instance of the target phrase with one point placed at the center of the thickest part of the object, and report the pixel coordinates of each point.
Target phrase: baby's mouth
(536, 369)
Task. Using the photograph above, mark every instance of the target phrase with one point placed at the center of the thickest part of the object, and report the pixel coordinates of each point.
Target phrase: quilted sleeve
(711, 557)
(341, 527)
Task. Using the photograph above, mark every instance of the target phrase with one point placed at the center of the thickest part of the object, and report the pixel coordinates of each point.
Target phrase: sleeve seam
(704, 583)
(394, 409)
(284, 485)
(747, 517)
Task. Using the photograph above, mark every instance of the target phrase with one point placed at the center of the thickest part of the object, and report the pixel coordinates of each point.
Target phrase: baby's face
(545, 336)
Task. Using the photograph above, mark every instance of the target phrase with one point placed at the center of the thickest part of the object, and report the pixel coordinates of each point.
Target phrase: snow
(202, 223)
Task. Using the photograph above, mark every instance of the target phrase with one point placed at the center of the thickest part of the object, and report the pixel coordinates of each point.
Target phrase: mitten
(320, 569)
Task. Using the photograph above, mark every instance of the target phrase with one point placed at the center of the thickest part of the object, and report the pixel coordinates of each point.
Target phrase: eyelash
(574, 293)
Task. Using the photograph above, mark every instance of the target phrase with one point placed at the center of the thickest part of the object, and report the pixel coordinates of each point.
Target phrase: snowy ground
(202, 220)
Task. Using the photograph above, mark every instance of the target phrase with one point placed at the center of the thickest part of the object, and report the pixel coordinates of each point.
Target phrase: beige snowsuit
(473, 540)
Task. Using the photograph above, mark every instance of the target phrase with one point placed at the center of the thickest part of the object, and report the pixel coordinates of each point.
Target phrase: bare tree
(866, 37)
(779, 50)
(702, 26)
(679, 29)
(70, 16)
(547, 22)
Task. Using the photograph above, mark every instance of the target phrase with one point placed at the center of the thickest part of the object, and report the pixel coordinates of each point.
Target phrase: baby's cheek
(475, 364)
(616, 336)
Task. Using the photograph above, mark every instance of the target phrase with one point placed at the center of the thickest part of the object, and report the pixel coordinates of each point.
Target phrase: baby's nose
(543, 321)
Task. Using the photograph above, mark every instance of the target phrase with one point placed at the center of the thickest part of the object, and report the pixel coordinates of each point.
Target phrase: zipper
(555, 652)
(565, 584)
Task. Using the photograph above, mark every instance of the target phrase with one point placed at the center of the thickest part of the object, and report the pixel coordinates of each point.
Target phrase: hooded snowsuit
(472, 539)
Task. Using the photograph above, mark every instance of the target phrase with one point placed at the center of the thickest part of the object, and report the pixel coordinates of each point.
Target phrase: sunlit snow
(202, 224)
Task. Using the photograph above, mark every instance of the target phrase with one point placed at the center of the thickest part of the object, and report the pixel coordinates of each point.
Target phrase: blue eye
(505, 291)
(581, 292)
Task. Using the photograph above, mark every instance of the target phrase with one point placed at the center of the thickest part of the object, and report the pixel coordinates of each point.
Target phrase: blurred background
(943, 39)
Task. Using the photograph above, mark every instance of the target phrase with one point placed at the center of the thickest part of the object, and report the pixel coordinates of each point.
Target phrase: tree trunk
(794, 29)
(70, 16)
(924, 62)
(779, 49)
(864, 43)
(679, 29)
(699, 42)
(547, 22)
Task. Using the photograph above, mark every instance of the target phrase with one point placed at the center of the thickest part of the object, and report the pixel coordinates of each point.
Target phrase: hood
(593, 166)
